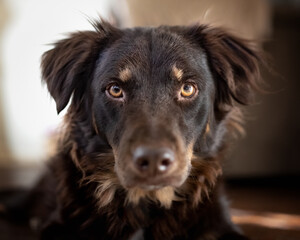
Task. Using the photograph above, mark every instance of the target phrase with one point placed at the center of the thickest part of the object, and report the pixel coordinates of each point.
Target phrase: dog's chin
(153, 184)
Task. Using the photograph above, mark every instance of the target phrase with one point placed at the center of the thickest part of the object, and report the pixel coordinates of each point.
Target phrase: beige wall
(250, 19)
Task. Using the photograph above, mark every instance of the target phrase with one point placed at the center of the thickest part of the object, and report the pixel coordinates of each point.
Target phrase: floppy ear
(67, 67)
(233, 62)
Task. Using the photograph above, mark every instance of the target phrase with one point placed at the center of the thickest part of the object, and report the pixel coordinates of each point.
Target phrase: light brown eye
(115, 91)
(187, 90)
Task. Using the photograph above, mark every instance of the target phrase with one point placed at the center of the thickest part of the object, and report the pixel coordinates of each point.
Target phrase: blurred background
(263, 168)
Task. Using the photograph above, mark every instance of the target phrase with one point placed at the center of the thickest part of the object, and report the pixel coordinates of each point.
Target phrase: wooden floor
(265, 209)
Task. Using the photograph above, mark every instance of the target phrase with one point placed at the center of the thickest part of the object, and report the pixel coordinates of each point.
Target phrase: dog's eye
(187, 90)
(115, 91)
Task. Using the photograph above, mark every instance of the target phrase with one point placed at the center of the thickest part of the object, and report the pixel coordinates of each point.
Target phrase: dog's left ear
(67, 67)
(233, 61)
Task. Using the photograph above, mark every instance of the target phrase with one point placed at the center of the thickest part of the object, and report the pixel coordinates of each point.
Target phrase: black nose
(153, 161)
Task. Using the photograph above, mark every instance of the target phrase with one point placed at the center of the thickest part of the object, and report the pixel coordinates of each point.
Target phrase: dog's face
(152, 92)
(157, 96)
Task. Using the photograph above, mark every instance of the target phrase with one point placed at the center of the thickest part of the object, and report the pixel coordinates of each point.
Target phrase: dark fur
(89, 193)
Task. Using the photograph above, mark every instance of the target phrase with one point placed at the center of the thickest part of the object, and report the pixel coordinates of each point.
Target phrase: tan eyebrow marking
(125, 74)
(177, 72)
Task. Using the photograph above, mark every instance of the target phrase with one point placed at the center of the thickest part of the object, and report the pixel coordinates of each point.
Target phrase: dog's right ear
(233, 61)
(67, 67)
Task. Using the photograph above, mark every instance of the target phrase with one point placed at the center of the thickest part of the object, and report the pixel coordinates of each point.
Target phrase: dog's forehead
(155, 48)
(158, 51)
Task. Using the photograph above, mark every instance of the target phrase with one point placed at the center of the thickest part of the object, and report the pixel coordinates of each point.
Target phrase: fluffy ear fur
(233, 62)
(68, 67)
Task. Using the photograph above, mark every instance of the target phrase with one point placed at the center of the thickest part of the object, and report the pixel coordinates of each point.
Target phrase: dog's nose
(153, 161)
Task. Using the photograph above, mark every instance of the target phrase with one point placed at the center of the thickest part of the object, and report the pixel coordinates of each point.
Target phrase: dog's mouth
(152, 169)
(155, 183)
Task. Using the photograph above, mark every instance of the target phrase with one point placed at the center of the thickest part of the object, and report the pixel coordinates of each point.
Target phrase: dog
(151, 112)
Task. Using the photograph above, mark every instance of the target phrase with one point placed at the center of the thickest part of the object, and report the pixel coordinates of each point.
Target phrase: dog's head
(157, 96)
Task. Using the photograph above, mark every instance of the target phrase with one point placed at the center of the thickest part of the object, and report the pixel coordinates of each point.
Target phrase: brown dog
(150, 114)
